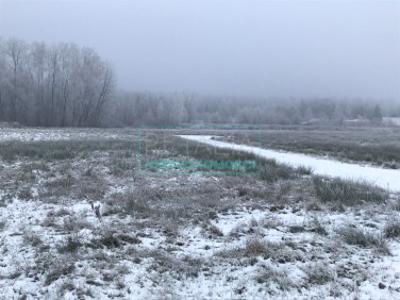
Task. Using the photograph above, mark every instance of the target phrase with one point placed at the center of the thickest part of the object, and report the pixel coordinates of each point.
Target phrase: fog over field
(331, 48)
(199, 149)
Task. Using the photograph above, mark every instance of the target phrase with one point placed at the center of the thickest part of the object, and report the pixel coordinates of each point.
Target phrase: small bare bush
(32, 238)
(70, 245)
(317, 227)
(59, 269)
(54, 267)
(272, 275)
(108, 239)
(302, 170)
(75, 224)
(62, 212)
(91, 190)
(318, 273)
(49, 221)
(271, 171)
(213, 230)
(25, 193)
(254, 247)
(60, 187)
(137, 202)
(392, 229)
(355, 236)
(180, 268)
(395, 204)
(119, 166)
(2, 225)
(346, 192)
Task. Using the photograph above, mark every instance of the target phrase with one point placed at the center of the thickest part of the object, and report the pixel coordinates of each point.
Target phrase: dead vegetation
(164, 227)
(339, 194)
(363, 238)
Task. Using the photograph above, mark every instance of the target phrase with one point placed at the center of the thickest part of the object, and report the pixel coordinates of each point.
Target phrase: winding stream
(385, 178)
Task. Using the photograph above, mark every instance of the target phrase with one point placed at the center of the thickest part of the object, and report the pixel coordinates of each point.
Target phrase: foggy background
(235, 47)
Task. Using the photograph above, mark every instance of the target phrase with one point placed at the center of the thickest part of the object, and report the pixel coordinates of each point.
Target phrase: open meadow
(144, 214)
(199, 150)
(378, 146)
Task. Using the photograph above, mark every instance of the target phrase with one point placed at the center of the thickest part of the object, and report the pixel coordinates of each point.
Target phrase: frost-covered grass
(346, 192)
(98, 225)
(363, 238)
(372, 145)
(381, 177)
(59, 150)
(392, 228)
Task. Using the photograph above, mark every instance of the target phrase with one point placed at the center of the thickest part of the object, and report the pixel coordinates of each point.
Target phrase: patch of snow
(54, 134)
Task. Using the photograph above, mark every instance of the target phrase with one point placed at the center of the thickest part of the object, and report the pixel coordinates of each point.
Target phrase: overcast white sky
(241, 47)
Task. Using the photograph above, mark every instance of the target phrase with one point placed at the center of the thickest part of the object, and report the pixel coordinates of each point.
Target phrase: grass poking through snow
(346, 192)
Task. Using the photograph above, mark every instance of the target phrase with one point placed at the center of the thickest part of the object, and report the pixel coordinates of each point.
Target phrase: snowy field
(57, 134)
(384, 178)
(93, 223)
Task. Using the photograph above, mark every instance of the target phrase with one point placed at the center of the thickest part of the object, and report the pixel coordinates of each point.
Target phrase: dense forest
(65, 85)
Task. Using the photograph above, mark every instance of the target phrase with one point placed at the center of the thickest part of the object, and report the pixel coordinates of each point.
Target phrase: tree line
(61, 85)
(65, 85)
(141, 109)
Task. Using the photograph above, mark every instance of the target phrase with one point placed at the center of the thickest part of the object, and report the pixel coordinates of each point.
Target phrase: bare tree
(15, 51)
(39, 69)
(105, 91)
(2, 79)
(53, 67)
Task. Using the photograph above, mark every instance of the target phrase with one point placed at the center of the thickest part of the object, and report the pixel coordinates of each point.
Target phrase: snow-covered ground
(54, 134)
(384, 178)
(353, 273)
(166, 234)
